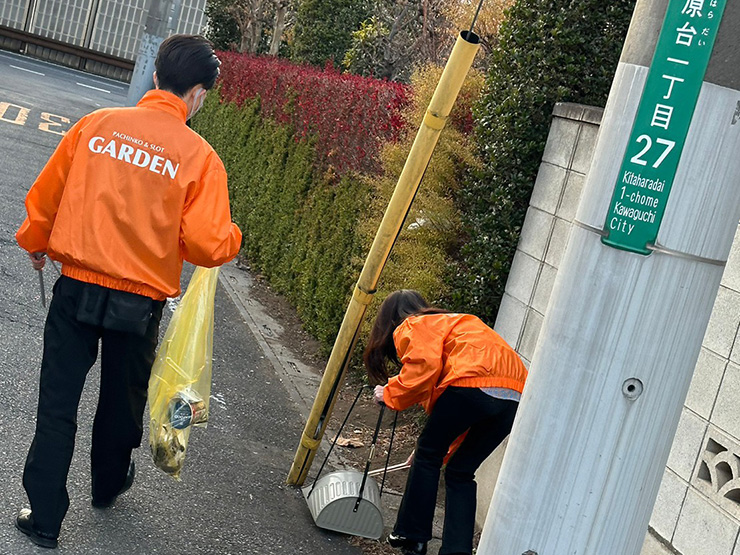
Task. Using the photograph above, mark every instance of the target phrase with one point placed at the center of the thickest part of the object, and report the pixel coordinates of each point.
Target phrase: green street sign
(662, 122)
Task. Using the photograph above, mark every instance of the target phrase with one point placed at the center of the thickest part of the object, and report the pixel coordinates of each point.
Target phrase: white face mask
(200, 97)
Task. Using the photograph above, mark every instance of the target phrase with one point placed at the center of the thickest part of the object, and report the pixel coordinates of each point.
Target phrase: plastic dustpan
(334, 504)
(348, 501)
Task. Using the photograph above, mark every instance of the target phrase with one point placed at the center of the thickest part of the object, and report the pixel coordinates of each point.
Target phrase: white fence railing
(110, 27)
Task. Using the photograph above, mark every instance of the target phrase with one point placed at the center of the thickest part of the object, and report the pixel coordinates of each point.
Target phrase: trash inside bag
(180, 383)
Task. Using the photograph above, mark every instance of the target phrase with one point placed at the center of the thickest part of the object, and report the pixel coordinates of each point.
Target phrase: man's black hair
(184, 61)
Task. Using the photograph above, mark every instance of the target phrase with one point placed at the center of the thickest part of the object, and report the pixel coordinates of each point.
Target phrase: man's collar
(165, 101)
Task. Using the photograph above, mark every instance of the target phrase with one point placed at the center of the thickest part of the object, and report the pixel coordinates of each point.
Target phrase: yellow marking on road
(48, 122)
(20, 117)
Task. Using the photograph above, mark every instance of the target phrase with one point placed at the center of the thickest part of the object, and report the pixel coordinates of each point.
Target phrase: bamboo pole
(460, 61)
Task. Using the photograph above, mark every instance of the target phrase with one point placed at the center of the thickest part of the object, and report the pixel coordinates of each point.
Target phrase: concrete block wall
(697, 511)
(698, 507)
(546, 228)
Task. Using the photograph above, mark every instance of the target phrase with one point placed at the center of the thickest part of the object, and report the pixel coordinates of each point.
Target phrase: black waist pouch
(114, 310)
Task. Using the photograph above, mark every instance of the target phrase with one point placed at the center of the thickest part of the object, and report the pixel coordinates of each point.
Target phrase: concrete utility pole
(161, 20)
(633, 295)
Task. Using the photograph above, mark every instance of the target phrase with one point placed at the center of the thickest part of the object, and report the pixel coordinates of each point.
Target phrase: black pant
(70, 350)
(458, 409)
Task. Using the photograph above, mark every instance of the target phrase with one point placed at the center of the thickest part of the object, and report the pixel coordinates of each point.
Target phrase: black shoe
(407, 546)
(24, 523)
(108, 503)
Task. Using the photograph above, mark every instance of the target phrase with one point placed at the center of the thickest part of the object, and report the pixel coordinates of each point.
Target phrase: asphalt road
(231, 499)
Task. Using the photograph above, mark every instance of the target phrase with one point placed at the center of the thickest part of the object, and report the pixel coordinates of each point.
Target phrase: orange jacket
(127, 195)
(438, 350)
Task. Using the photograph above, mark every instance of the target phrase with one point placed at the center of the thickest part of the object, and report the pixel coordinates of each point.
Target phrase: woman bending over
(469, 381)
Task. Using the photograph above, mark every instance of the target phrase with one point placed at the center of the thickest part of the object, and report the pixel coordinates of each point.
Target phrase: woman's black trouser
(70, 350)
(457, 409)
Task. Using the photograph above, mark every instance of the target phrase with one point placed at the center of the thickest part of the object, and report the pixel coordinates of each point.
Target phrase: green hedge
(299, 226)
(309, 232)
(549, 51)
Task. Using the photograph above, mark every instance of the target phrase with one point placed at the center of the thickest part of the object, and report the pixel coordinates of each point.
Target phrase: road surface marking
(28, 70)
(94, 88)
(112, 86)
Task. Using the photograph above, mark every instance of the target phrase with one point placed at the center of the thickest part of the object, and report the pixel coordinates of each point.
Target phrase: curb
(300, 381)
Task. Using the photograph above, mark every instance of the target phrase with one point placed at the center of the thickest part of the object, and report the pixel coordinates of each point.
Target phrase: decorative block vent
(718, 475)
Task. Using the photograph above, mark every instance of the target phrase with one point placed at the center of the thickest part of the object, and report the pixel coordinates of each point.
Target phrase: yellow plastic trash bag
(180, 383)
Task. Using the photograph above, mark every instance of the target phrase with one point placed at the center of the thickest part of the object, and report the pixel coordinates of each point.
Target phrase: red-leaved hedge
(350, 116)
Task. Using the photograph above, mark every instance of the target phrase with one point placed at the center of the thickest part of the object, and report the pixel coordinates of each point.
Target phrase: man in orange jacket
(128, 194)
